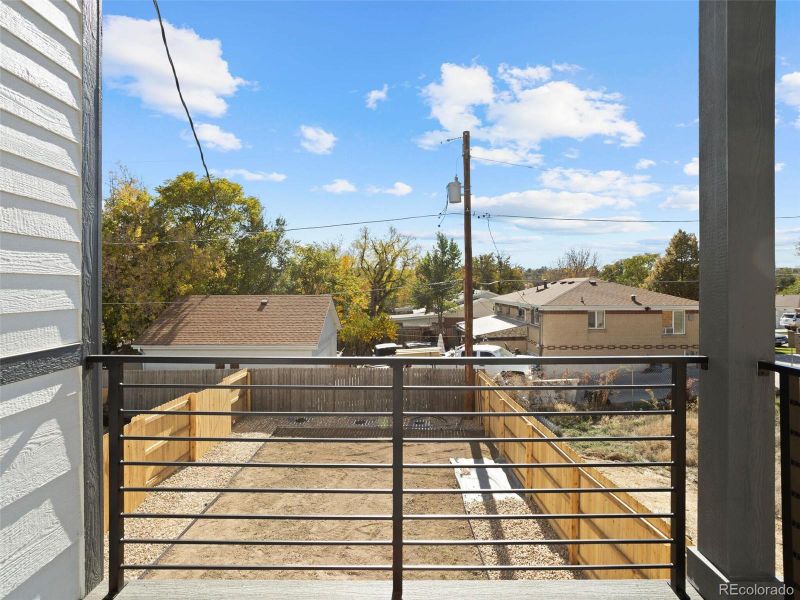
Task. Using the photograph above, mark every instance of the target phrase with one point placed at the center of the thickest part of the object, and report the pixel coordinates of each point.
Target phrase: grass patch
(644, 425)
(785, 351)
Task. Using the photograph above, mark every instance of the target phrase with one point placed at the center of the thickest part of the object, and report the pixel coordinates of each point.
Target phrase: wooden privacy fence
(571, 502)
(305, 399)
(181, 423)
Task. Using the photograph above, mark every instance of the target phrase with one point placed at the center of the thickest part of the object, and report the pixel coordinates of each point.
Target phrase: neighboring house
(590, 316)
(242, 326)
(420, 325)
(784, 304)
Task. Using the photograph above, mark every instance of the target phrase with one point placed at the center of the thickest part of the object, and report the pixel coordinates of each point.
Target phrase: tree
(497, 270)
(185, 240)
(577, 262)
(677, 271)
(631, 271)
(385, 264)
(438, 277)
(360, 332)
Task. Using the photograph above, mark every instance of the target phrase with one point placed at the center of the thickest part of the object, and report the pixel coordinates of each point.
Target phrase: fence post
(575, 508)
(397, 482)
(786, 478)
(678, 480)
(116, 522)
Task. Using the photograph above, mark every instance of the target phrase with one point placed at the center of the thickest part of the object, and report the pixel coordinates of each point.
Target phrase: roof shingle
(240, 321)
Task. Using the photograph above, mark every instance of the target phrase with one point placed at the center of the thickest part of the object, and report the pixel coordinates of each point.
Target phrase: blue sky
(333, 112)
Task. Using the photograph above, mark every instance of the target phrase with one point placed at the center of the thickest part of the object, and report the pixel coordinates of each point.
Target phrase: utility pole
(469, 401)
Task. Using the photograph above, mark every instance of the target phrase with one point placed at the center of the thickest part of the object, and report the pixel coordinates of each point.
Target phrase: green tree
(385, 264)
(677, 271)
(497, 270)
(185, 240)
(438, 277)
(632, 271)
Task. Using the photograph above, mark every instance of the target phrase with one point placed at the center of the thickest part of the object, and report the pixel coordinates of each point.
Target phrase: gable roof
(590, 292)
(241, 321)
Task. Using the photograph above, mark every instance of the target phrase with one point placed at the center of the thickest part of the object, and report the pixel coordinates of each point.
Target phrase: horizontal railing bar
(173, 463)
(202, 542)
(493, 542)
(492, 388)
(671, 359)
(163, 567)
(170, 438)
(260, 490)
(553, 542)
(625, 567)
(259, 413)
(544, 516)
(534, 490)
(539, 413)
(388, 440)
(254, 386)
(389, 490)
(536, 465)
(779, 368)
(259, 517)
(167, 463)
(200, 567)
(606, 438)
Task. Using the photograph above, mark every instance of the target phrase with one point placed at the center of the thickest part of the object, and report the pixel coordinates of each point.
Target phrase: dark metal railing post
(397, 482)
(786, 481)
(116, 522)
(678, 476)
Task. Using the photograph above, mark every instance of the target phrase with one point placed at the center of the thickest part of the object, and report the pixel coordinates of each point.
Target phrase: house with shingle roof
(243, 326)
(589, 316)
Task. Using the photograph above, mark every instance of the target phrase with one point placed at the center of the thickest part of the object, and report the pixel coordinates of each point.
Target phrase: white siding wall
(40, 295)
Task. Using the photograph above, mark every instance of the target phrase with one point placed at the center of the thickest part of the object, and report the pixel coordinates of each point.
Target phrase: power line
(180, 95)
(502, 162)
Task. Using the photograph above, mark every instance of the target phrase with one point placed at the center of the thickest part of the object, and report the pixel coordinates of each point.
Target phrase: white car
(790, 320)
(490, 350)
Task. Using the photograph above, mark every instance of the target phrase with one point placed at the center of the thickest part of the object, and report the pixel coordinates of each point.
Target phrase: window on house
(535, 316)
(673, 322)
(597, 319)
(521, 313)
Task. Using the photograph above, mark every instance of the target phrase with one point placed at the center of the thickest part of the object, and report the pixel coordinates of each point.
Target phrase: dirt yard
(355, 504)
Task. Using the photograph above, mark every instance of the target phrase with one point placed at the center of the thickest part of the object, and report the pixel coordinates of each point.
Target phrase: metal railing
(677, 389)
(788, 404)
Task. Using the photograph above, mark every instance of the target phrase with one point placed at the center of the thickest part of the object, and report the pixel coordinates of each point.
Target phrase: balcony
(405, 489)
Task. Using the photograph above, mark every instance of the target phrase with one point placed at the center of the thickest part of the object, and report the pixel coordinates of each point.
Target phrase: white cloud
(519, 79)
(788, 91)
(682, 197)
(692, 123)
(522, 108)
(214, 137)
(567, 67)
(779, 167)
(572, 153)
(692, 168)
(506, 155)
(375, 96)
(398, 189)
(645, 163)
(134, 61)
(316, 140)
(545, 202)
(339, 186)
(610, 183)
(252, 175)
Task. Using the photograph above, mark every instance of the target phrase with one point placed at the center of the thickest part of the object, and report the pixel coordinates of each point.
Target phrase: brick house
(587, 316)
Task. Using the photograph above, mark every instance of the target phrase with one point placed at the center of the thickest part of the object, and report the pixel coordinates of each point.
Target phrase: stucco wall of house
(625, 333)
(41, 513)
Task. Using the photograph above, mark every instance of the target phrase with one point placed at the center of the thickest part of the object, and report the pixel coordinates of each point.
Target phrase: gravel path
(529, 529)
(183, 502)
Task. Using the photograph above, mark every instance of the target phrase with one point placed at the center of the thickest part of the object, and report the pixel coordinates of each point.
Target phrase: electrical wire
(502, 162)
(180, 95)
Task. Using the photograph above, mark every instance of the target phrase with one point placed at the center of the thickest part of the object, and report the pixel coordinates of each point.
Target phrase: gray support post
(736, 507)
(397, 482)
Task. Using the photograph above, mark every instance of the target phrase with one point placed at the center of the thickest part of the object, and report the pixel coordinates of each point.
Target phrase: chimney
(545, 283)
(263, 304)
